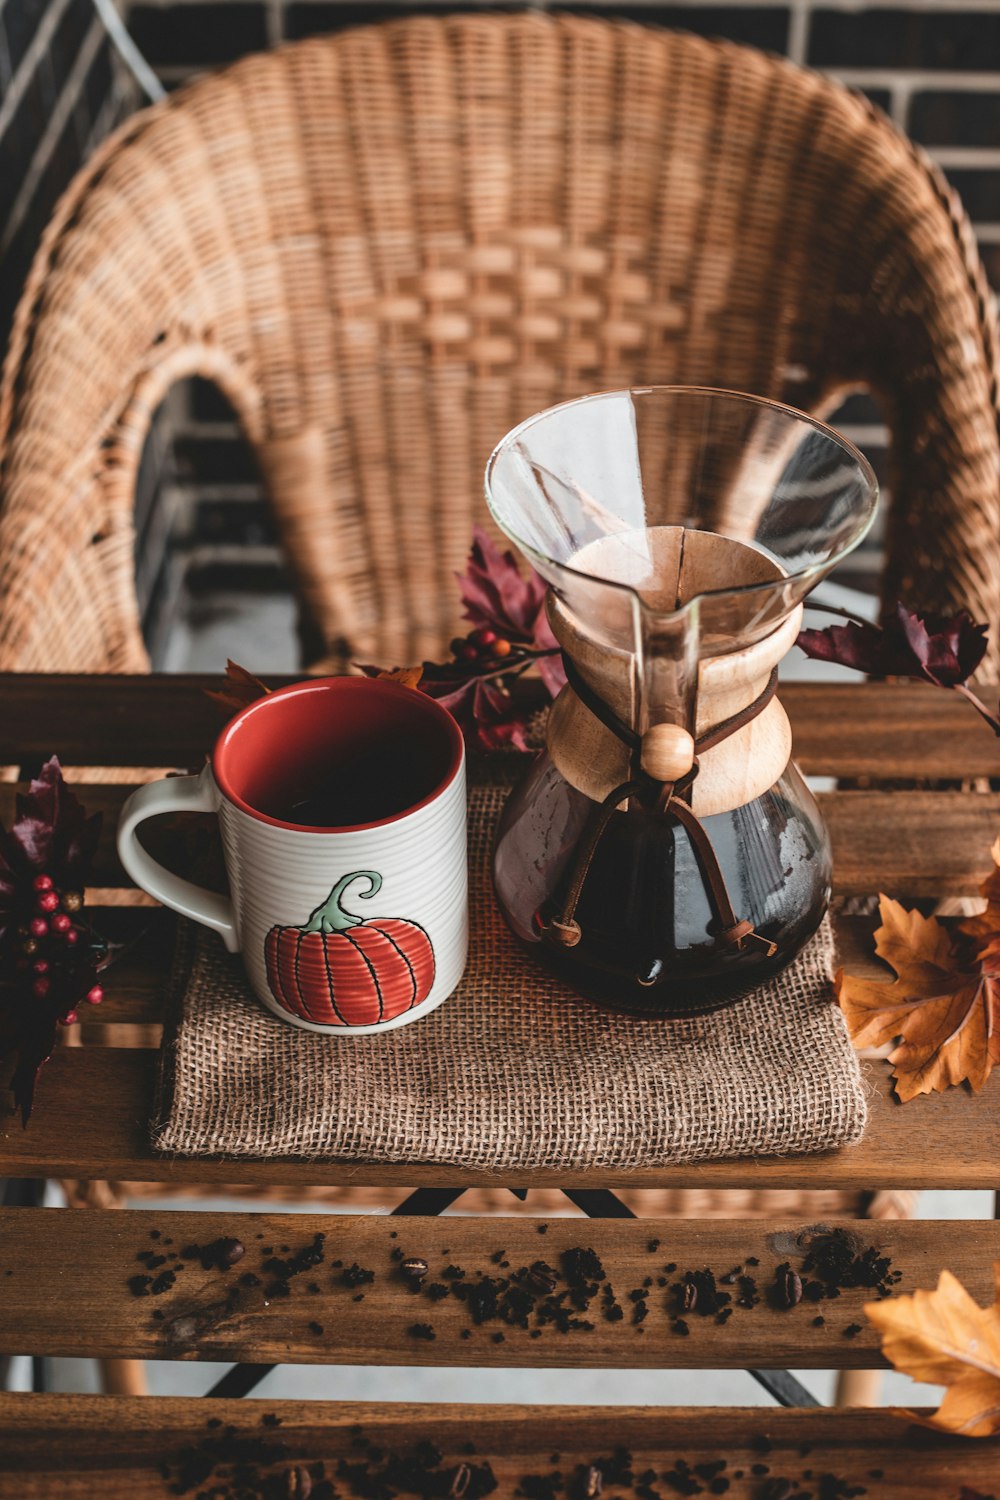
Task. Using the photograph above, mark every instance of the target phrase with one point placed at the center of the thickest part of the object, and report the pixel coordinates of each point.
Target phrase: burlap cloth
(513, 1071)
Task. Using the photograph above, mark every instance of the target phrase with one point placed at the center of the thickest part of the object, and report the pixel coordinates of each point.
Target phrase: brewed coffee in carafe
(663, 854)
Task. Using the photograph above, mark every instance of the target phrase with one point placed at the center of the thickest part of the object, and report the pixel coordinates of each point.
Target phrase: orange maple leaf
(239, 688)
(985, 928)
(405, 676)
(943, 1005)
(945, 1338)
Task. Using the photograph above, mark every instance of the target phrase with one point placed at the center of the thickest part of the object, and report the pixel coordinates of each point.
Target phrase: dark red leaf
(945, 651)
(495, 594)
(948, 650)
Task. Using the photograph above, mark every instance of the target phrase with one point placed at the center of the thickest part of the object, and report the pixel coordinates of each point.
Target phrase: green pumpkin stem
(331, 916)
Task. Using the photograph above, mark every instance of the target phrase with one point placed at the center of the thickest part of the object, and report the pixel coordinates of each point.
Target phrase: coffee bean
(689, 1297)
(789, 1286)
(542, 1278)
(594, 1483)
(414, 1269)
(299, 1483)
(230, 1251)
(460, 1481)
(776, 1489)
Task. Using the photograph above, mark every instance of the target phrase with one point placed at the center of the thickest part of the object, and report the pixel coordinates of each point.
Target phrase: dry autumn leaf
(405, 676)
(944, 1004)
(239, 689)
(945, 1338)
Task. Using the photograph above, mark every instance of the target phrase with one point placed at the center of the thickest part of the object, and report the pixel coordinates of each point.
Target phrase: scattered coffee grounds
(653, 1246)
(819, 1322)
(242, 1466)
(851, 1330)
(316, 1328)
(581, 1266)
(543, 1229)
(682, 1480)
(836, 1261)
(538, 1487)
(421, 1331)
(747, 1292)
(356, 1275)
(220, 1255)
(679, 1326)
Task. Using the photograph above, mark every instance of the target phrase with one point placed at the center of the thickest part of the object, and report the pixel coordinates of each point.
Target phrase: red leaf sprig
(938, 649)
(510, 634)
(50, 957)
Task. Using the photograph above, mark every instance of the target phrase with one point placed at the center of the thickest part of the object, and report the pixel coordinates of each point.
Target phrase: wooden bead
(667, 752)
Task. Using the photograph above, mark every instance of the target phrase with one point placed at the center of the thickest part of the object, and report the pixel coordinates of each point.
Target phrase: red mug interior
(337, 753)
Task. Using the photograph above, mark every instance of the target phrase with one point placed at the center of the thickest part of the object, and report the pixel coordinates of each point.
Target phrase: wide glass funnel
(680, 529)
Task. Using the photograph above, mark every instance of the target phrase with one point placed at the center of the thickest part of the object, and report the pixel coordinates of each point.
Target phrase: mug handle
(174, 794)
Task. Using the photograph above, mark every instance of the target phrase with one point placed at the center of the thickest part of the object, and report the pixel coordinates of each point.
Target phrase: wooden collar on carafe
(664, 764)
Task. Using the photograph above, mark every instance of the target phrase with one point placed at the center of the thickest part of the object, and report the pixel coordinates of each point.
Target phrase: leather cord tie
(667, 797)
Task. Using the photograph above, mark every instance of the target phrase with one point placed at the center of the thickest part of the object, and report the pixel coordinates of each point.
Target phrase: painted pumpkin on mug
(340, 969)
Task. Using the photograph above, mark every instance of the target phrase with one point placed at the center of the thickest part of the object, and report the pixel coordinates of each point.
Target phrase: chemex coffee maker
(664, 854)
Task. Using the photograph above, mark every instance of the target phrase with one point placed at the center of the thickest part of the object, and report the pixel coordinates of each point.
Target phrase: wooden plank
(135, 985)
(176, 839)
(65, 1281)
(912, 844)
(92, 1120)
(114, 1446)
(902, 729)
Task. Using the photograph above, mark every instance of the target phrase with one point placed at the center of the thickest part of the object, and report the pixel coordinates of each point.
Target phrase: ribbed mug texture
(398, 962)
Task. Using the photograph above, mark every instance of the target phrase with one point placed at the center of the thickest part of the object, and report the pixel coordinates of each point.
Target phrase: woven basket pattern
(390, 245)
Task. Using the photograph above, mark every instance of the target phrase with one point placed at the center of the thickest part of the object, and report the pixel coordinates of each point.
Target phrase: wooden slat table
(64, 1278)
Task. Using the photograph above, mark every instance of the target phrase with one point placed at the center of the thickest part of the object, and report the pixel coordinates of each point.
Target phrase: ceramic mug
(386, 763)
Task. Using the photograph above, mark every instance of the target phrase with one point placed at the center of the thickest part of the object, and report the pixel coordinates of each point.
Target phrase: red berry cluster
(483, 645)
(49, 938)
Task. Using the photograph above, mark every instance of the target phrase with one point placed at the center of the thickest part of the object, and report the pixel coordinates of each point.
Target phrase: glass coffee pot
(663, 854)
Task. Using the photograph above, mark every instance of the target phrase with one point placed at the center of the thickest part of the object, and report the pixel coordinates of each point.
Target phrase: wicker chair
(388, 246)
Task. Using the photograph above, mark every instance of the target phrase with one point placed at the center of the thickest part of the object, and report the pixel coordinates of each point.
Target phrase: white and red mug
(341, 803)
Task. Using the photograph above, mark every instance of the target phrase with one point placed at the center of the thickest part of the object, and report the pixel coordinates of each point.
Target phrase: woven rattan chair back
(390, 245)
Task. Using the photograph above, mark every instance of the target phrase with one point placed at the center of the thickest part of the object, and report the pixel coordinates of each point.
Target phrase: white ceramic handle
(174, 794)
